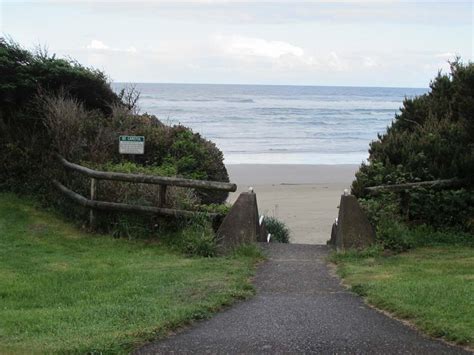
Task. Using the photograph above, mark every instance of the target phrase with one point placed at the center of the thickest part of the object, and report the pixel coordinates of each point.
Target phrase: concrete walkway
(300, 308)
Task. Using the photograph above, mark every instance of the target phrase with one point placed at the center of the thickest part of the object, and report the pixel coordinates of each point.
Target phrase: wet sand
(305, 197)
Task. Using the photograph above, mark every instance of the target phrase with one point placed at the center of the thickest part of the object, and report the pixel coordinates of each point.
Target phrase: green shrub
(394, 236)
(442, 208)
(384, 206)
(431, 138)
(398, 237)
(195, 237)
(50, 105)
(279, 231)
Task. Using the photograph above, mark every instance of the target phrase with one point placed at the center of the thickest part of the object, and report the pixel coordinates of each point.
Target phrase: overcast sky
(371, 43)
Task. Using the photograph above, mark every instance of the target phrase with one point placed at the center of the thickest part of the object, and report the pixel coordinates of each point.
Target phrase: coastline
(304, 196)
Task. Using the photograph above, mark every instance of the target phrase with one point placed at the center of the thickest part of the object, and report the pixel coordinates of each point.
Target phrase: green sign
(132, 144)
(132, 139)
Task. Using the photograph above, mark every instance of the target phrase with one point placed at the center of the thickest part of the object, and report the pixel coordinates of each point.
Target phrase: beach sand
(305, 197)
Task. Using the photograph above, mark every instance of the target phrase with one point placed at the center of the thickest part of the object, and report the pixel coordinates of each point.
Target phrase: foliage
(431, 287)
(445, 208)
(25, 73)
(50, 105)
(64, 291)
(193, 237)
(278, 229)
(383, 207)
(431, 138)
(397, 236)
(197, 238)
(394, 236)
(221, 209)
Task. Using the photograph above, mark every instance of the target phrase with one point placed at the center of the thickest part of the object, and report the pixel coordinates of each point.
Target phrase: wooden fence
(403, 189)
(163, 182)
(434, 184)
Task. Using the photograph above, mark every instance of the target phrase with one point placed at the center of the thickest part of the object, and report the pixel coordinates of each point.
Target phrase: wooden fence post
(91, 211)
(162, 196)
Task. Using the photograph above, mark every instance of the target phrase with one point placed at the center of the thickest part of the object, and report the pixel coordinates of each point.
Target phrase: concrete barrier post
(241, 224)
(353, 229)
(263, 232)
(332, 241)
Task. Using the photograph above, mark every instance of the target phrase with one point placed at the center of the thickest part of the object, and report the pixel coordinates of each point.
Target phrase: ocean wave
(187, 100)
(279, 123)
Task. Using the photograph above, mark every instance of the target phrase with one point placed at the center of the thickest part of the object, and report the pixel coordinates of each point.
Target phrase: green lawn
(62, 290)
(431, 287)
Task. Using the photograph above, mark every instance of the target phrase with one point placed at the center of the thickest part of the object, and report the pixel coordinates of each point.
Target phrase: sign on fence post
(132, 145)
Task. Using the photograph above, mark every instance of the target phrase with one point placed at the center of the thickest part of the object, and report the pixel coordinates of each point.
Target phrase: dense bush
(278, 229)
(54, 105)
(50, 105)
(431, 138)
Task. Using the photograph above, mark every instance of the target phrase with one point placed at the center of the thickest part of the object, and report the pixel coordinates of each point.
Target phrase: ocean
(266, 124)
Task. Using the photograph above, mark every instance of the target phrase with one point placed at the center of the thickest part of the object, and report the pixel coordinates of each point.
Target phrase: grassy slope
(432, 287)
(62, 290)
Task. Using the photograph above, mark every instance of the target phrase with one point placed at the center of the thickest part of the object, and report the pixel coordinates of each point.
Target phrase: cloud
(97, 45)
(446, 55)
(281, 56)
(335, 62)
(369, 62)
(256, 47)
(260, 52)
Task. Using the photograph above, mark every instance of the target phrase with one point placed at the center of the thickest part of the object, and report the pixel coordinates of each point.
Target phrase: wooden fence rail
(94, 204)
(403, 189)
(150, 179)
(435, 184)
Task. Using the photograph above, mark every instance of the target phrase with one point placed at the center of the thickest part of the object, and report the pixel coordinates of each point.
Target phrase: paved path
(300, 308)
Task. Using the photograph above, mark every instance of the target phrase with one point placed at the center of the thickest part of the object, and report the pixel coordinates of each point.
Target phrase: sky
(348, 43)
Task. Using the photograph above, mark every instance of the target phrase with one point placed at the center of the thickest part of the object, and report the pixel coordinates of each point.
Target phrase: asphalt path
(300, 307)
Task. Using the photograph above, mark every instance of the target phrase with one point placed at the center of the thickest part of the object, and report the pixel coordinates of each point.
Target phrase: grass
(62, 290)
(432, 287)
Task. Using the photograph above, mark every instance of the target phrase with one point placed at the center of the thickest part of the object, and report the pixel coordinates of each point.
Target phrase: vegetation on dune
(50, 105)
(278, 229)
(432, 138)
(65, 291)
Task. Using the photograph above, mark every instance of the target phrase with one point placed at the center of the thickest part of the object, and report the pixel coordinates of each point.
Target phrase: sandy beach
(305, 197)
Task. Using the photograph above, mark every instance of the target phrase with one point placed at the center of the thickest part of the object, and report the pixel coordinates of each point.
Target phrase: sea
(277, 124)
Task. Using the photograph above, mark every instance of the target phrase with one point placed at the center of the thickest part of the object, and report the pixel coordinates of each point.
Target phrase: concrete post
(353, 229)
(262, 233)
(241, 225)
(332, 241)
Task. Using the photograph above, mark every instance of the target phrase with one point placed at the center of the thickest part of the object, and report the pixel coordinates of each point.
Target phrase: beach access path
(300, 307)
(305, 197)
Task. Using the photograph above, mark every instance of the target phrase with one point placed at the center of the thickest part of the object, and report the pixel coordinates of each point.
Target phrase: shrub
(394, 236)
(50, 105)
(195, 237)
(279, 231)
(431, 138)
(398, 237)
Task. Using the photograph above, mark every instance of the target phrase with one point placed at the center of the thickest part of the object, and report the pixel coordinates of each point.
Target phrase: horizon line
(305, 85)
